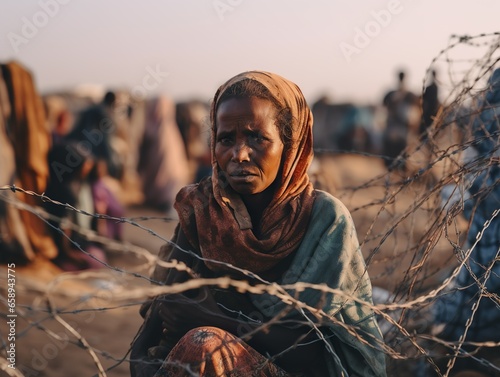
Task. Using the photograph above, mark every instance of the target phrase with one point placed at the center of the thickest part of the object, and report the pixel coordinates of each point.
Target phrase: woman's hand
(181, 313)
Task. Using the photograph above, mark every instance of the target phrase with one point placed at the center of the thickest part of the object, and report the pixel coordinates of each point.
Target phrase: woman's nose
(241, 153)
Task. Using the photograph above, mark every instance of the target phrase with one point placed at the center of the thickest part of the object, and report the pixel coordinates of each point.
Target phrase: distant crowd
(99, 155)
(385, 129)
(95, 156)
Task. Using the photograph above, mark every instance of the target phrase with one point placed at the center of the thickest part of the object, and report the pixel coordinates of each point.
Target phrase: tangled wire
(429, 231)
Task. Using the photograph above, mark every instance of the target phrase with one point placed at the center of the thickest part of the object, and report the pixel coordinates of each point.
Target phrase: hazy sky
(348, 49)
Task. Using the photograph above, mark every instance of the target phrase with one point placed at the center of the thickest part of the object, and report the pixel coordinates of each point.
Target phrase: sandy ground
(47, 346)
(56, 331)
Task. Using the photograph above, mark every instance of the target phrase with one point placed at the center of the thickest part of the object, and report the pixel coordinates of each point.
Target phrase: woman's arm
(301, 345)
(297, 347)
(151, 331)
(183, 312)
(174, 251)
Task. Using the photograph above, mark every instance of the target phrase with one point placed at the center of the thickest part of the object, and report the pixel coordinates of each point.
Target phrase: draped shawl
(30, 138)
(330, 255)
(214, 217)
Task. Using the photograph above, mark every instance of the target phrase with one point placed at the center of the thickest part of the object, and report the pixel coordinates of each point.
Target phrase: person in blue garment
(477, 287)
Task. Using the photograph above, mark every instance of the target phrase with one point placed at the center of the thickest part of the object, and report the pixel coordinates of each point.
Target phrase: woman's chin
(244, 185)
(244, 189)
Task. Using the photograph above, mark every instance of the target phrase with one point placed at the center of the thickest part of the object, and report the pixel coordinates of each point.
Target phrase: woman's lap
(211, 352)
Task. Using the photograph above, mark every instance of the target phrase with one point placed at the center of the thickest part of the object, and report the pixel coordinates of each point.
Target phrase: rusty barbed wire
(413, 240)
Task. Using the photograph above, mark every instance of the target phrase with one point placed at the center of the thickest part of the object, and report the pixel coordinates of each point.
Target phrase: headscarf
(214, 217)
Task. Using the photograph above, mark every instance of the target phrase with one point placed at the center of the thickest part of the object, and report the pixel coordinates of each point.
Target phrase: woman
(259, 219)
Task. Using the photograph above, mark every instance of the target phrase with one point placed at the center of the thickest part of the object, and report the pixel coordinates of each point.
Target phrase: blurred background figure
(60, 119)
(192, 119)
(478, 283)
(71, 185)
(130, 122)
(94, 130)
(163, 166)
(430, 105)
(42, 153)
(13, 237)
(324, 124)
(355, 131)
(25, 140)
(344, 127)
(87, 165)
(402, 116)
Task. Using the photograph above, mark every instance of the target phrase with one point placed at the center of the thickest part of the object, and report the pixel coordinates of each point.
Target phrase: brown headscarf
(214, 217)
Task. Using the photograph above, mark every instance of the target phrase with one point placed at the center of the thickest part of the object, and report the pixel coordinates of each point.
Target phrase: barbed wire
(413, 238)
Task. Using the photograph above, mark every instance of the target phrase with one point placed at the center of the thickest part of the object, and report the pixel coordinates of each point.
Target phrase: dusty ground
(58, 345)
(46, 347)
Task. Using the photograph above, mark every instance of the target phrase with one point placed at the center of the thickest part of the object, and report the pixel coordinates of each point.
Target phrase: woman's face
(248, 146)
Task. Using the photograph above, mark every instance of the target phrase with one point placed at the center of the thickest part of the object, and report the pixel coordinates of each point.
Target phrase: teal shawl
(329, 254)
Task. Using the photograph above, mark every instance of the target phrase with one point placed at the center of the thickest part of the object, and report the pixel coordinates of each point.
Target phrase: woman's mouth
(242, 176)
(241, 173)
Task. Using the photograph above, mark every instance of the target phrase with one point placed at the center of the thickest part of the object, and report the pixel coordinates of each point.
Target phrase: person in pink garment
(163, 166)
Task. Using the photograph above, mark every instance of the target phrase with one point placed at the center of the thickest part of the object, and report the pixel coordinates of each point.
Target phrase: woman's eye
(225, 140)
(258, 138)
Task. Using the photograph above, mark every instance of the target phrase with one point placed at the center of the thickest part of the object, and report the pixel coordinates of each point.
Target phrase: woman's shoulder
(324, 201)
(195, 190)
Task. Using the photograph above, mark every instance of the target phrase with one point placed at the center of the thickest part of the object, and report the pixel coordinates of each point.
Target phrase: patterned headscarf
(214, 217)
